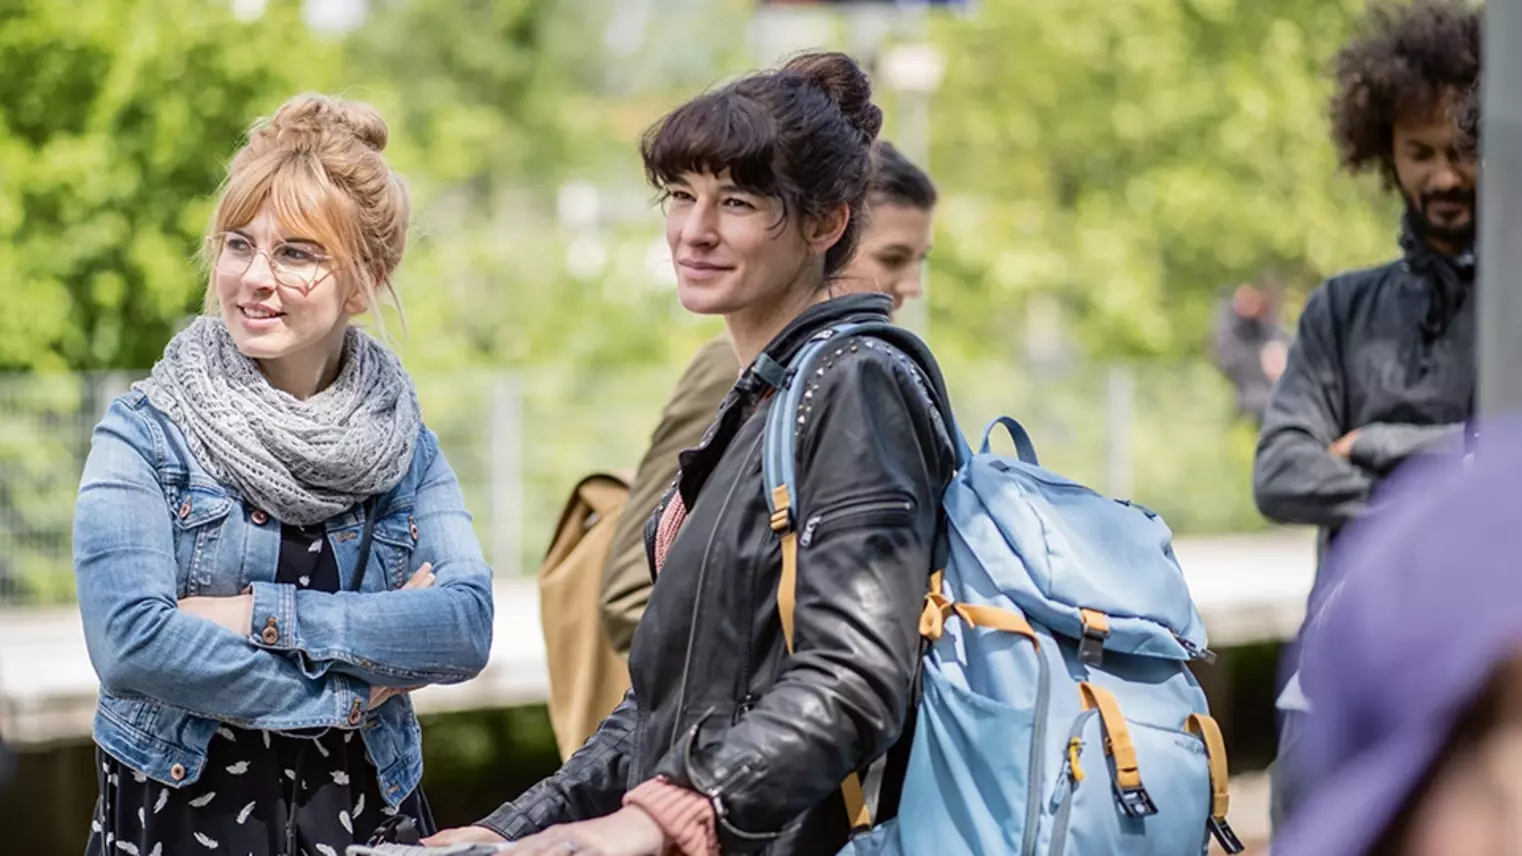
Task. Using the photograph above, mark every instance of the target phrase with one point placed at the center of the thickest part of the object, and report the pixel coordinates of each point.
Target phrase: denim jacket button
(177, 772)
(259, 517)
(412, 528)
(270, 635)
(354, 713)
(185, 509)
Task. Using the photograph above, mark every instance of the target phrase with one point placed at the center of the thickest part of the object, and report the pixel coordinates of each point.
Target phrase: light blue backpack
(1057, 713)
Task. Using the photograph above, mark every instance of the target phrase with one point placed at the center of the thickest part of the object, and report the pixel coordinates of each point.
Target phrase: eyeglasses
(298, 267)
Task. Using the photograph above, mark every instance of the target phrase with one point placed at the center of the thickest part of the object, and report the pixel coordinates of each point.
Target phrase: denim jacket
(152, 526)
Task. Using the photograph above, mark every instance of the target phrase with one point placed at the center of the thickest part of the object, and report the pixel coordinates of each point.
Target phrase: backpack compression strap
(1220, 795)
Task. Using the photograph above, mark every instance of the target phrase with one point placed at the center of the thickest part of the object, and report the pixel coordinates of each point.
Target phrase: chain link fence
(1165, 435)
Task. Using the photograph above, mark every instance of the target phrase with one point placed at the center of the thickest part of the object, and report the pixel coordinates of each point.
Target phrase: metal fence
(1164, 435)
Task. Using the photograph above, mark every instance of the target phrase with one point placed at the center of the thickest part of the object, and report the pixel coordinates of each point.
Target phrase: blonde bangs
(306, 205)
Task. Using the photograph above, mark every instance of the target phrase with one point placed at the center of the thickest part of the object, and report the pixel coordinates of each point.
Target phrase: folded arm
(1296, 478)
(138, 640)
(1383, 446)
(424, 635)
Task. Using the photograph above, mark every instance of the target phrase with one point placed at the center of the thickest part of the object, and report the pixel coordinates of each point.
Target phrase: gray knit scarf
(301, 461)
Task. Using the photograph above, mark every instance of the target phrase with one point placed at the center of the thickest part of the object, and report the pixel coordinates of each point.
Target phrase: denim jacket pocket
(395, 538)
(200, 516)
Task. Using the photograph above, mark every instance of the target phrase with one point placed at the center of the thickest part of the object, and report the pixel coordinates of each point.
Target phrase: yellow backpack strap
(787, 587)
(939, 607)
(1133, 798)
(1220, 792)
(997, 619)
(787, 594)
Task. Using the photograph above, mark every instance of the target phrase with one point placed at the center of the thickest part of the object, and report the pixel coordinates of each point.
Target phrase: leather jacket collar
(696, 463)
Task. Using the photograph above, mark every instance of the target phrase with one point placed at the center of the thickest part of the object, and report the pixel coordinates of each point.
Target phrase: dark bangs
(798, 135)
(718, 131)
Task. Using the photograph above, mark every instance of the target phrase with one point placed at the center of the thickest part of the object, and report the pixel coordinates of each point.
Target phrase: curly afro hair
(1408, 57)
(1467, 114)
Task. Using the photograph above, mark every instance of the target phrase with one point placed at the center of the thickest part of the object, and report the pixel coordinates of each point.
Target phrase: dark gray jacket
(1387, 350)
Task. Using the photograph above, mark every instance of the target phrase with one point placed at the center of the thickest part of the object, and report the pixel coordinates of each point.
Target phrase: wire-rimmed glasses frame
(295, 265)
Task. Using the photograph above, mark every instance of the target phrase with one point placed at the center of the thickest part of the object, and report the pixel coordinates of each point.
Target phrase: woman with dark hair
(727, 740)
(890, 257)
(896, 240)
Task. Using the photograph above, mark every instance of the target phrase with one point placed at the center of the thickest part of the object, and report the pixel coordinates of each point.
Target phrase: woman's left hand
(236, 613)
(626, 832)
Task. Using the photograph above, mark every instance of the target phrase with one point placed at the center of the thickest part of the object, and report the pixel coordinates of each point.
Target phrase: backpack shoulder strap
(779, 454)
(778, 465)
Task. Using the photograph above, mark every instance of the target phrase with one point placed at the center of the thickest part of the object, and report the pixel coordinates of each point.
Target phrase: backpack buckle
(770, 372)
(1135, 802)
(1096, 629)
(1224, 836)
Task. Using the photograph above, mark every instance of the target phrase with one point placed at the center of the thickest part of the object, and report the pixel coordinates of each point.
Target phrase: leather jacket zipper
(697, 597)
(749, 699)
(887, 506)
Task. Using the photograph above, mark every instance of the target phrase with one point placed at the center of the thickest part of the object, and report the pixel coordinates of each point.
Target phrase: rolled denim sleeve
(139, 641)
(403, 638)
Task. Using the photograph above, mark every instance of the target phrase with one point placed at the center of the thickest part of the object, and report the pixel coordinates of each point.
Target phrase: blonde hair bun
(314, 121)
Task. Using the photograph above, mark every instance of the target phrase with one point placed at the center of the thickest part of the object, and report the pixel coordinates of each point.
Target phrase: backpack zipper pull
(1196, 651)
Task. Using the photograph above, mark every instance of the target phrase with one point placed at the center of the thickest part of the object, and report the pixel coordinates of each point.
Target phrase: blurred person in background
(1383, 363)
(1250, 346)
(247, 521)
(1415, 665)
(731, 740)
(890, 258)
(7, 764)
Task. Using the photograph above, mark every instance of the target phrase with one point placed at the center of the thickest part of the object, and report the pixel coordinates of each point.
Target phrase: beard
(1460, 233)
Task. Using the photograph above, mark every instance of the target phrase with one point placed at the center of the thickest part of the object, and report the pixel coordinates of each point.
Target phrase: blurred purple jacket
(1426, 601)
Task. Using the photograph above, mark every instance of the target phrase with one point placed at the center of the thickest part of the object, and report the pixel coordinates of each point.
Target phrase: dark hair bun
(847, 85)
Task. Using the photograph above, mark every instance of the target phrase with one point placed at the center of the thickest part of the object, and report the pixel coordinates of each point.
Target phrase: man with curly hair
(1383, 365)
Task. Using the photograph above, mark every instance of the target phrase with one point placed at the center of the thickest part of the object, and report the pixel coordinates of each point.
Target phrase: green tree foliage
(1131, 158)
(485, 94)
(496, 105)
(115, 121)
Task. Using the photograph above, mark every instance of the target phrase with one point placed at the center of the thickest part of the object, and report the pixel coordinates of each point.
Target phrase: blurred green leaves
(1121, 160)
(115, 121)
(1131, 158)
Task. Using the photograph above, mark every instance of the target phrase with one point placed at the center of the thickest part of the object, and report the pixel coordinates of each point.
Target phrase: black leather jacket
(718, 705)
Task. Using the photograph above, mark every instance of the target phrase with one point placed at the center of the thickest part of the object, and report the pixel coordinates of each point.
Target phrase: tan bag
(587, 677)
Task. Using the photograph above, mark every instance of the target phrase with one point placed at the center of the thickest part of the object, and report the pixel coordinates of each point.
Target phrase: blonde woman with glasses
(270, 547)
